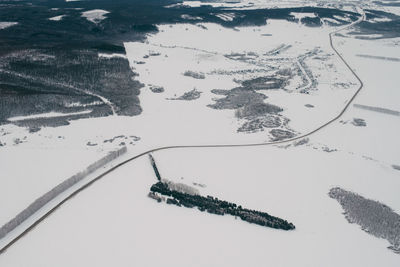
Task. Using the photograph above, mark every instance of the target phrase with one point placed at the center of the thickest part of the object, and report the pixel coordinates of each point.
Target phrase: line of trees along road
(57, 190)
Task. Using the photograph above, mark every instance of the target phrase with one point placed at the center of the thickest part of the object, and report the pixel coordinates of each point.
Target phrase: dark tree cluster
(154, 165)
(220, 207)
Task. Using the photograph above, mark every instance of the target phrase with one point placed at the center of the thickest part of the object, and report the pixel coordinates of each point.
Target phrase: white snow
(226, 16)
(330, 20)
(42, 168)
(299, 15)
(57, 18)
(342, 18)
(380, 20)
(183, 47)
(4, 25)
(115, 223)
(245, 4)
(186, 16)
(48, 115)
(113, 55)
(95, 15)
(78, 104)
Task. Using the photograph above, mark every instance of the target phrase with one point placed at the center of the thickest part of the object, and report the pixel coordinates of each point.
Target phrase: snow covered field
(95, 15)
(114, 222)
(21, 186)
(4, 25)
(244, 54)
(57, 18)
(47, 115)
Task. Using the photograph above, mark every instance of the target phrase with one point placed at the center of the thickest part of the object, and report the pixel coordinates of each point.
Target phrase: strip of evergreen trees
(219, 207)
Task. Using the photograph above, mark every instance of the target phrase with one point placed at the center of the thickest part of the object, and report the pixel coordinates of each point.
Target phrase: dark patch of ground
(39, 81)
(157, 89)
(301, 142)
(396, 167)
(257, 109)
(216, 206)
(374, 217)
(279, 134)
(188, 96)
(384, 29)
(237, 98)
(220, 91)
(259, 124)
(359, 122)
(42, 61)
(265, 83)
(250, 106)
(195, 75)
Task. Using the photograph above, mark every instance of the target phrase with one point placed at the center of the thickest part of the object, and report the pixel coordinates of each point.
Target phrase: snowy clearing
(4, 25)
(113, 55)
(299, 16)
(295, 83)
(95, 15)
(57, 18)
(48, 115)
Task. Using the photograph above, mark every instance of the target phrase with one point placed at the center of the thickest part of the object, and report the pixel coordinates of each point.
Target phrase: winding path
(69, 197)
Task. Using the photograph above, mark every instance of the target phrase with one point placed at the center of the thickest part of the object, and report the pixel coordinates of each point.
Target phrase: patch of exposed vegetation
(259, 124)
(359, 122)
(156, 89)
(257, 109)
(396, 167)
(180, 194)
(265, 83)
(249, 105)
(329, 150)
(279, 134)
(301, 142)
(374, 217)
(46, 80)
(237, 98)
(220, 91)
(175, 195)
(191, 95)
(132, 138)
(193, 74)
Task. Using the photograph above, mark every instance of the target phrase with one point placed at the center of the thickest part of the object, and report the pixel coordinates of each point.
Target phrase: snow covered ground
(57, 18)
(95, 15)
(247, 4)
(4, 25)
(242, 54)
(47, 115)
(115, 223)
(21, 186)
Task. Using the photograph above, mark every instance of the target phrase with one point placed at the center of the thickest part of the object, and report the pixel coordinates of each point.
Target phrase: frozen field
(203, 83)
(292, 71)
(114, 222)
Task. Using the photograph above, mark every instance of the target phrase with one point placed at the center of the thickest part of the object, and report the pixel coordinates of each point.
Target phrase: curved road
(205, 146)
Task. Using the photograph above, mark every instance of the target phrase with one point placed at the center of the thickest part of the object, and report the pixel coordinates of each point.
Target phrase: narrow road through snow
(27, 230)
